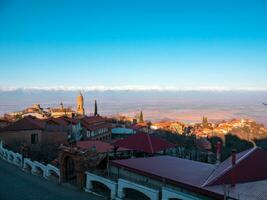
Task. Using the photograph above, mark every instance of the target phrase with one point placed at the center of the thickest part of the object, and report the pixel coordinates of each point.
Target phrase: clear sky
(185, 44)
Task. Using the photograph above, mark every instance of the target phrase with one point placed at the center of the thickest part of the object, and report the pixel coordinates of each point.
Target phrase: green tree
(95, 109)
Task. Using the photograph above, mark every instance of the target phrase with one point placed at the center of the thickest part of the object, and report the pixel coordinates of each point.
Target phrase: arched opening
(27, 167)
(38, 171)
(70, 174)
(132, 194)
(53, 176)
(101, 189)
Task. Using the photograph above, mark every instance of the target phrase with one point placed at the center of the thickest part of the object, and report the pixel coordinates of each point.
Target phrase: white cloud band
(127, 88)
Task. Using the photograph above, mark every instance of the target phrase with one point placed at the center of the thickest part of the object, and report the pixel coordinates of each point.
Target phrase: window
(34, 138)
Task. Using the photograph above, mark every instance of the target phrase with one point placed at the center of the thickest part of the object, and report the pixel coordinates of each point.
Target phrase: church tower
(80, 108)
(205, 122)
(141, 117)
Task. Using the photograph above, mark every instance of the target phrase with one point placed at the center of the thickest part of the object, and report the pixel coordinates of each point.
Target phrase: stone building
(241, 176)
(95, 127)
(75, 161)
(62, 111)
(30, 130)
(80, 107)
(68, 112)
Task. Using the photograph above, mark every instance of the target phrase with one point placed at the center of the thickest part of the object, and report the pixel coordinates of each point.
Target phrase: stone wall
(19, 136)
(24, 136)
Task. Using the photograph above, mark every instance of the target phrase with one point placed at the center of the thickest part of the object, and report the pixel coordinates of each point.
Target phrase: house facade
(95, 128)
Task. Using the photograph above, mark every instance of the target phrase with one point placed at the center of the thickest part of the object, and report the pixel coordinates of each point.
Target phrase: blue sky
(185, 44)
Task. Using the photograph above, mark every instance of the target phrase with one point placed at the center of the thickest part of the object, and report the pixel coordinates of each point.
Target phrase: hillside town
(121, 157)
(246, 129)
(133, 100)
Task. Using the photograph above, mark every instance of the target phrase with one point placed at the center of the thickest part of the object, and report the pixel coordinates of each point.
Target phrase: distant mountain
(187, 106)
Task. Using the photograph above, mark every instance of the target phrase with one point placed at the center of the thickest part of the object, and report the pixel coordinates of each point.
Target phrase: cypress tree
(95, 109)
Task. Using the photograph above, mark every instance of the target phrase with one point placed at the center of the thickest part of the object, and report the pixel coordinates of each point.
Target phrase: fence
(34, 167)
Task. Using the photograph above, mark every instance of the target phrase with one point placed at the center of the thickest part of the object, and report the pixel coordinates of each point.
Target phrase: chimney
(233, 174)
(218, 152)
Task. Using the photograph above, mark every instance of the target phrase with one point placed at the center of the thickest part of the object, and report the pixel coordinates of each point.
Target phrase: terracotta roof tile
(59, 121)
(144, 143)
(71, 120)
(92, 119)
(26, 123)
(96, 126)
(101, 147)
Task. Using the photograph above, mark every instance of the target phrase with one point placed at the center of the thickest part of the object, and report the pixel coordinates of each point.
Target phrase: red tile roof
(96, 126)
(70, 120)
(26, 123)
(92, 119)
(94, 122)
(144, 143)
(58, 121)
(4, 120)
(33, 123)
(250, 166)
(101, 147)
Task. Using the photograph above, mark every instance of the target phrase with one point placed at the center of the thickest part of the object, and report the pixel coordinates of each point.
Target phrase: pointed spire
(95, 109)
(205, 122)
(141, 117)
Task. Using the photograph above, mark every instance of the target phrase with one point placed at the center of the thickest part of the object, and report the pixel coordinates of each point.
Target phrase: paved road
(18, 185)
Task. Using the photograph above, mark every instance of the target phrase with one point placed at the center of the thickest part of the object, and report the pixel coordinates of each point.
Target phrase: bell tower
(80, 108)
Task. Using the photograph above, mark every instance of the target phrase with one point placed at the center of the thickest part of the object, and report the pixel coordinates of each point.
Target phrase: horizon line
(102, 88)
